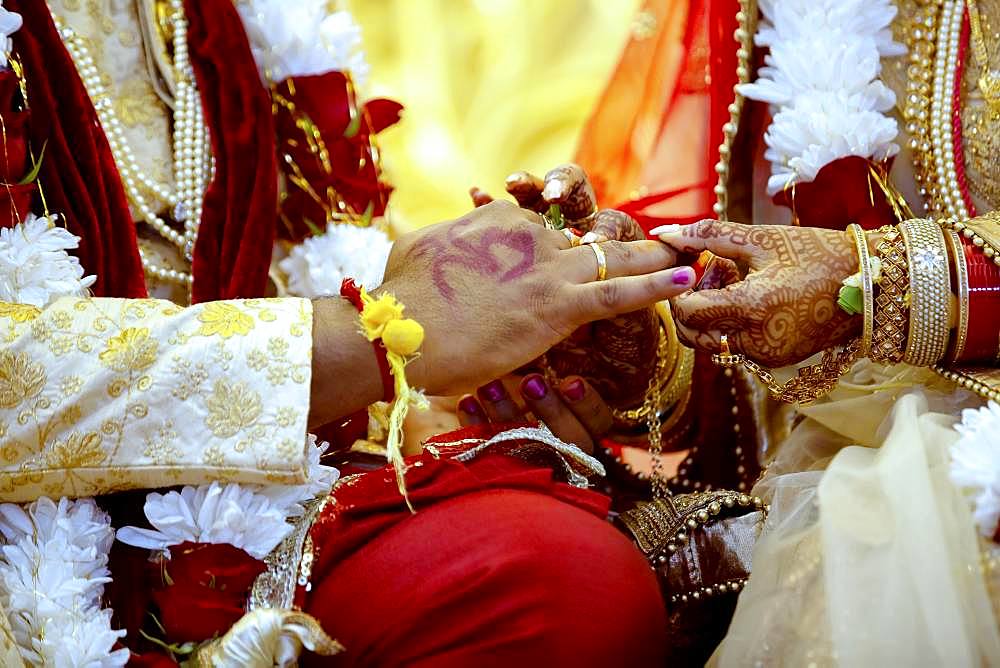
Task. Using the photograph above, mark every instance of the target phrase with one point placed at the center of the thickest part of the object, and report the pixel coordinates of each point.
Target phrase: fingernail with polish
(470, 406)
(492, 391)
(590, 238)
(574, 389)
(555, 189)
(534, 387)
(664, 229)
(683, 276)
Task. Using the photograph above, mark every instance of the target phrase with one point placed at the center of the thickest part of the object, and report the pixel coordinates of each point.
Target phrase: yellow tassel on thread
(382, 318)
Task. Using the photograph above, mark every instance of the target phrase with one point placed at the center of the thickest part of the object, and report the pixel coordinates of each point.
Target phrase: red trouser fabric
(512, 570)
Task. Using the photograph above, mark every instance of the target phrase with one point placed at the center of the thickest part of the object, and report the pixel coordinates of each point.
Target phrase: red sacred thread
(352, 293)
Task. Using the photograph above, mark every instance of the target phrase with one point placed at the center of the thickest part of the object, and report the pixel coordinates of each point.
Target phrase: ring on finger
(574, 240)
(602, 261)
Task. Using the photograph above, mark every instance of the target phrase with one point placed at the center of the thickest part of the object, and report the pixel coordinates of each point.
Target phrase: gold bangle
(962, 285)
(867, 289)
(891, 305)
(930, 291)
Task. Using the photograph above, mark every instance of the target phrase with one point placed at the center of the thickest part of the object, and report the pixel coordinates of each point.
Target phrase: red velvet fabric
(233, 252)
(78, 173)
(500, 566)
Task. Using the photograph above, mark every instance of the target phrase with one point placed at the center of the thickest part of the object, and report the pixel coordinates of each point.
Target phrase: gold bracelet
(930, 292)
(962, 285)
(891, 303)
(867, 289)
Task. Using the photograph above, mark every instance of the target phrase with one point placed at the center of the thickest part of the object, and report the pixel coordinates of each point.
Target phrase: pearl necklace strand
(952, 203)
(193, 164)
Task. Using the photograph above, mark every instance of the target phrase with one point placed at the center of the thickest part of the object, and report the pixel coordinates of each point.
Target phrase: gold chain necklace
(989, 79)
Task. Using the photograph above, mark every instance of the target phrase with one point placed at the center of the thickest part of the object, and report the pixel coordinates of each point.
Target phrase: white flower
(975, 464)
(212, 513)
(53, 569)
(821, 80)
(302, 38)
(34, 265)
(250, 517)
(316, 267)
(10, 23)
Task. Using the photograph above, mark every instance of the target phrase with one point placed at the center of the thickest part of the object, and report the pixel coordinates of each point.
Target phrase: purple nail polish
(470, 406)
(493, 391)
(683, 276)
(574, 389)
(534, 387)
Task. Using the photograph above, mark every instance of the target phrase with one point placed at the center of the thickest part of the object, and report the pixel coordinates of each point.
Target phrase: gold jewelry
(968, 230)
(930, 291)
(725, 357)
(892, 303)
(602, 261)
(811, 382)
(574, 240)
(867, 289)
(989, 80)
(962, 289)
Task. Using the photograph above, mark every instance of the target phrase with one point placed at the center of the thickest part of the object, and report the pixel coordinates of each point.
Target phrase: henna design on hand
(785, 310)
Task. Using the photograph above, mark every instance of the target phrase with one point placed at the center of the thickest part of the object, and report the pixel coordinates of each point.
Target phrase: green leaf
(555, 217)
(36, 167)
(850, 300)
(355, 125)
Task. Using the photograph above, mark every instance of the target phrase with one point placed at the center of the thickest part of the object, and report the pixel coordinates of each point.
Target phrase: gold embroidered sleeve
(103, 395)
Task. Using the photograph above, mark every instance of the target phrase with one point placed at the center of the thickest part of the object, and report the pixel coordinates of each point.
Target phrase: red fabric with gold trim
(984, 306)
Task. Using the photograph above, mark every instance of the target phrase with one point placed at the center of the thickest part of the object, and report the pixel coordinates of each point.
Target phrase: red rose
(204, 589)
(348, 172)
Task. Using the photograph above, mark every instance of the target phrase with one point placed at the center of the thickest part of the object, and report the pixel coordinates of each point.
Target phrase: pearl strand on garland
(191, 151)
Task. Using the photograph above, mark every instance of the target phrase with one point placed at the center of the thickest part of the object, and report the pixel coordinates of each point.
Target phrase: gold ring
(602, 261)
(725, 357)
(574, 240)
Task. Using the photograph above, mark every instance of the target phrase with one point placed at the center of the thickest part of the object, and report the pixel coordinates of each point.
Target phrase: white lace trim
(821, 79)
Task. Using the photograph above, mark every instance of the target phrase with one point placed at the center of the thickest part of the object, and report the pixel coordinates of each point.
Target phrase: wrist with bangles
(930, 293)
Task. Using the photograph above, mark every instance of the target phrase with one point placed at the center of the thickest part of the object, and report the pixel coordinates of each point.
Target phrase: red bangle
(984, 306)
(352, 293)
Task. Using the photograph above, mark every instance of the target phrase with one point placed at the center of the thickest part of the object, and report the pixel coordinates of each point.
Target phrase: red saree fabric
(233, 252)
(499, 566)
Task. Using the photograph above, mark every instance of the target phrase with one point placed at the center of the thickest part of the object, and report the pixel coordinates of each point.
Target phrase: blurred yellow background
(489, 86)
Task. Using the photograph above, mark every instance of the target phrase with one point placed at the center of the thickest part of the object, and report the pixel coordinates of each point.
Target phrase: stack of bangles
(929, 295)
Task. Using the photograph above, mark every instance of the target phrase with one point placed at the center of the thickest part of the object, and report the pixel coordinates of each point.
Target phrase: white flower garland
(301, 38)
(975, 464)
(10, 23)
(250, 517)
(316, 267)
(821, 80)
(34, 265)
(53, 570)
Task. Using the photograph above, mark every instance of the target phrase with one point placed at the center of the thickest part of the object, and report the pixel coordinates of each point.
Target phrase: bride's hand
(785, 309)
(618, 356)
(573, 410)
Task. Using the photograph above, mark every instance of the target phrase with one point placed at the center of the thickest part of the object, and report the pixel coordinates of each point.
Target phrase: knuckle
(609, 295)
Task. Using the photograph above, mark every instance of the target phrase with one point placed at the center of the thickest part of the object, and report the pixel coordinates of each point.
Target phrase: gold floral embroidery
(231, 408)
(224, 319)
(77, 451)
(19, 312)
(132, 350)
(20, 378)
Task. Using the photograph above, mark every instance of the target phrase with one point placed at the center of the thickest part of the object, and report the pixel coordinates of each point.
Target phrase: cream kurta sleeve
(103, 395)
